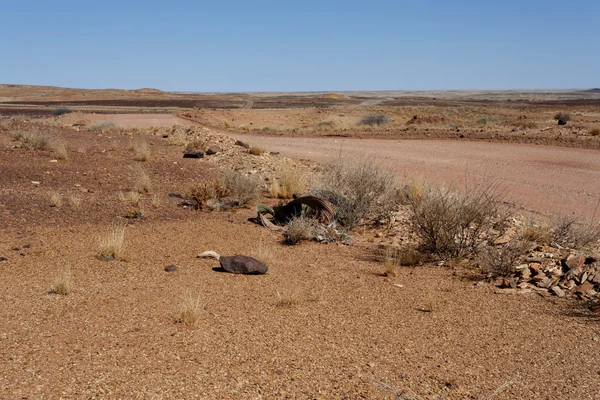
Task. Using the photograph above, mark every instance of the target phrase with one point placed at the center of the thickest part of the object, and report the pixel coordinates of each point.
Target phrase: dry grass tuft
(289, 298)
(275, 189)
(141, 151)
(242, 188)
(536, 232)
(56, 199)
(102, 126)
(389, 258)
(75, 200)
(110, 247)
(595, 131)
(256, 150)
(196, 144)
(33, 140)
(130, 196)
(63, 283)
(502, 260)
(568, 233)
(263, 253)
(156, 201)
(189, 311)
(143, 182)
(61, 150)
(298, 229)
(290, 182)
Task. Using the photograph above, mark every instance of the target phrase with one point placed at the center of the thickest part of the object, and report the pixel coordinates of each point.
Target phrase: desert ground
(330, 320)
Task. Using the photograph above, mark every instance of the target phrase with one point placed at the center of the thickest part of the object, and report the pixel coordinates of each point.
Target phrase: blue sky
(301, 45)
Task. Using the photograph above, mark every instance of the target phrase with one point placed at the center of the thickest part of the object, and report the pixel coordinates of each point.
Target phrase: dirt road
(543, 178)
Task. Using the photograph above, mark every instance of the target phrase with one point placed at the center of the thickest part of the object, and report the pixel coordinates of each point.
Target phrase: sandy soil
(323, 324)
(140, 121)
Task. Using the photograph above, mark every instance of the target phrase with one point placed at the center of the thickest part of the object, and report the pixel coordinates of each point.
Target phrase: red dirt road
(547, 179)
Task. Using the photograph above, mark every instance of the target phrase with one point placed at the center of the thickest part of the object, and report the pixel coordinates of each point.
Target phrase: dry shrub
(110, 247)
(102, 126)
(256, 150)
(130, 196)
(63, 283)
(61, 111)
(156, 201)
(595, 131)
(374, 119)
(189, 310)
(449, 222)
(290, 182)
(196, 144)
(389, 258)
(56, 199)
(200, 193)
(298, 229)
(142, 182)
(75, 200)
(288, 298)
(135, 212)
(242, 188)
(563, 116)
(33, 140)
(536, 232)
(324, 126)
(358, 190)
(141, 151)
(568, 233)
(502, 260)
(61, 150)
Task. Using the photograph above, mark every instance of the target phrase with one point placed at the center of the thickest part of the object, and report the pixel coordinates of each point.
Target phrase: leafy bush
(374, 119)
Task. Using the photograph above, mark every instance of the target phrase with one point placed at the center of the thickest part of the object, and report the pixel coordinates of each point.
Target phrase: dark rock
(171, 268)
(15, 249)
(274, 153)
(3, 259)
(243, 265)
(26, 246)
(193, 154)
(240, 143)
(214, 149)
(562, 122)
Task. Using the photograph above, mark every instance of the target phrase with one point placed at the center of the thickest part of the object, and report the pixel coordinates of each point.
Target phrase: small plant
(568, 232)
(33, 140)
(288, 299)
(75, 200)
(374, 119)
(110, 247)
(61, 150)
(562, 118)
(61, 111)
(63, 284)
(198, 195)
(143, 183)
(275, 189)
(595, 131)
(290, 182)
(196, 144)
(130, 196)
(135, 212)
(102, 126)
(56, 199)
(189, 311)
(536, 232)
(389, 258)
(256, 150)
(298, 229)
(324, 126)
(502, 260)
(156, 201)
(243, 189)
(141, 151)
(263, 254)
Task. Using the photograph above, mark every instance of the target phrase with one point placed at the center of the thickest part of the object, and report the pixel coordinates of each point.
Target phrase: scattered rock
(558, 291)
(243, 265)
(171, 268)
(2, 259)
(240, 143)
(193, 154)
(214, 149)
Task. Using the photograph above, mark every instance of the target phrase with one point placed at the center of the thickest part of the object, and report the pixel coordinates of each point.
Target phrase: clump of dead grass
(141, 151)
(196, 144)
(291, 181)
(536, 231)
(242, 188)
(56, 199)
(189, 311)
(63, 283)
(110, 247)
(256, 150)
(75, 200)
(298, 229)
(60, 150)
(142, 180)
(263, 253)
(288, 297)
(569, 233)
(130, 196)
(102, 126)
(33, 140)
(502, 260)
(595, 131)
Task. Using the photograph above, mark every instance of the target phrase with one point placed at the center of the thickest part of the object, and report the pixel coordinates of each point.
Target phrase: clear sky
(301, 45)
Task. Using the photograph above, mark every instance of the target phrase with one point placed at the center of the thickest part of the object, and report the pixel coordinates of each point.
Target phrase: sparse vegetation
(75, 200)
(568, 232)
(263, 253)
(562, 118)
(130, 196)
(290, 182)
(449, 222)
(200, 194)
(110, 247)
(289, 298)
(536, 232)
(143, 182)
(357, 190)
(256, 150)
(141, 151)
(242, 188)
(374, 119)
(156, 201)
(61, 150)
(298, 229)
(595, 131)
(196, 144)
(63, 283)
(33, 140)
(189, 310)
(61, 111)
(389, 258)
(501, 260)
(56, 199)
(102, 126)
